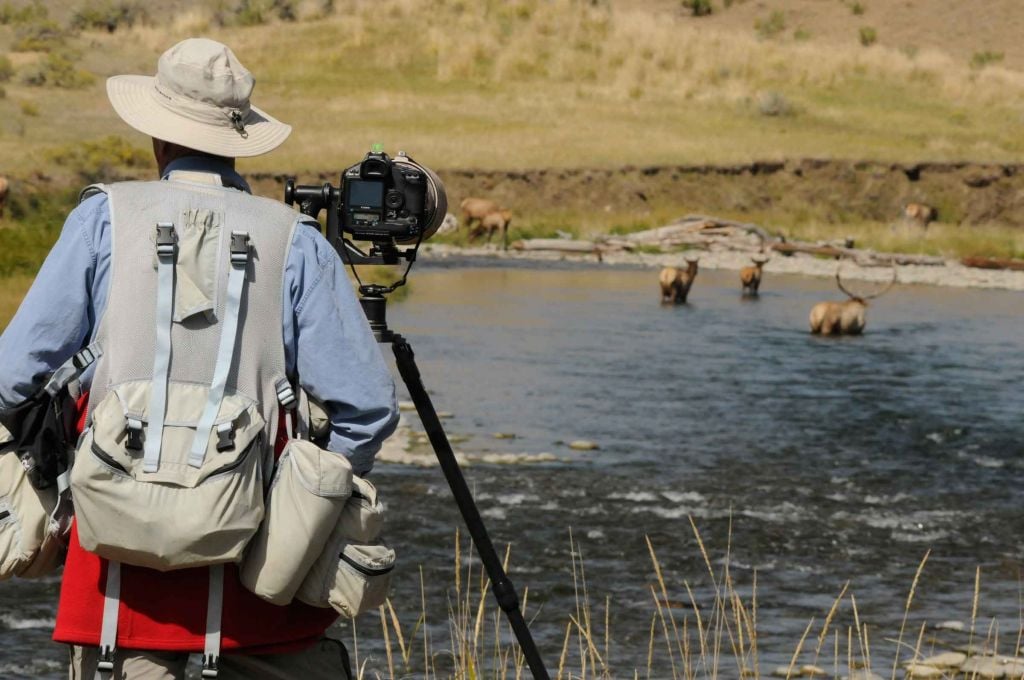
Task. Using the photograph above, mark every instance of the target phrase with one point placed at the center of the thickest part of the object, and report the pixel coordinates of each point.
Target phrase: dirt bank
(830, 191)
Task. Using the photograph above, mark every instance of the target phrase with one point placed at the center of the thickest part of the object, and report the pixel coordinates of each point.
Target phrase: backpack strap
(214, 609)
(167, 255)
(108, 632)
(240, 250)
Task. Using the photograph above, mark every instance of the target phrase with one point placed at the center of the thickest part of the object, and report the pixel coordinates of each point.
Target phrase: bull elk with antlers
(676, 281)
(750, 277)
(847, 317)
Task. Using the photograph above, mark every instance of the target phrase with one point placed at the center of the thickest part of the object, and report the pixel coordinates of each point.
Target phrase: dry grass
(685, 642)
(533, 83)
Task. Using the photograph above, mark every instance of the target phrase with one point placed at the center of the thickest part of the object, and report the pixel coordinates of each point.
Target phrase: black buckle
(285, 395)
(166, 238)
(83, 358)
(210, 666)
(134, 440)
(226, 438)
(106, 662)
(239, 247)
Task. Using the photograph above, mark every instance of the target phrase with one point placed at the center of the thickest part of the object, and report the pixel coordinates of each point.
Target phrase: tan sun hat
(199, 98)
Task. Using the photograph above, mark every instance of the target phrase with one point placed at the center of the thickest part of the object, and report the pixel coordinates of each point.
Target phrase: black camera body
(384, 199)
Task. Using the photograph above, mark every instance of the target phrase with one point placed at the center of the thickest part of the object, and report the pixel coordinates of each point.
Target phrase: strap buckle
(106, 662)
(225, 437)
(239, 247)
(285, 395)
(133, 441)
(83, 358)
(166, 239)
(210, 669)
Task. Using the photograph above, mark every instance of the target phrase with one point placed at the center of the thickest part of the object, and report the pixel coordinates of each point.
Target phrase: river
(810, 462)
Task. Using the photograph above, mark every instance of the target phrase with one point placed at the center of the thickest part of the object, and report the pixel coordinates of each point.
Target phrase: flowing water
(808, 461)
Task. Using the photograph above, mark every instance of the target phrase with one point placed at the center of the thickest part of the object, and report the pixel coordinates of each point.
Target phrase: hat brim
(134, 99)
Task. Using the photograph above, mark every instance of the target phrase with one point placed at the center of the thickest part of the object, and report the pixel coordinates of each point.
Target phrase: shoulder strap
(167, 254)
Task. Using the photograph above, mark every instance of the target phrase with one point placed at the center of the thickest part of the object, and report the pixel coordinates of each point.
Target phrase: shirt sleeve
(57, 314)
(329, 346)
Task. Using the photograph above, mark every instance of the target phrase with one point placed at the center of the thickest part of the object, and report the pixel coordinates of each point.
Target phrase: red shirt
(167, 610)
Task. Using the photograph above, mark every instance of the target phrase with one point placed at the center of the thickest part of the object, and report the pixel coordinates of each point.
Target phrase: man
(197, 111)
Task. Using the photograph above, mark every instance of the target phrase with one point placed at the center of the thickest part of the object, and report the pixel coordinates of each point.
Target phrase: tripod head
(373, 299)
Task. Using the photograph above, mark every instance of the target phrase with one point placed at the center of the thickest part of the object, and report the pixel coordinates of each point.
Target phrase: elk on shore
(750, 277)
(499, 220)
(481, 216)
(847, 317)
(676, 281)
(919, 215)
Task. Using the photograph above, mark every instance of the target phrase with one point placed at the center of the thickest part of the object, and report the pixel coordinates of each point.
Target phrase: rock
(918, 670)
(975, 649)
(445, 414)
(984, 667)
(950, 625)
(1015, 669)
(406, 406)
(504, 435)
(945, 660)
(809, 671)
(583, 445)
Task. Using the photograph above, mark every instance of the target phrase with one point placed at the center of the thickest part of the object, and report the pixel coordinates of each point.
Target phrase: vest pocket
(308, 493)
(353, 574)
(180, 514)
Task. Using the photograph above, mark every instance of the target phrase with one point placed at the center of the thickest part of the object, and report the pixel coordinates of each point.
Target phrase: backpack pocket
(353, 573)
(31, 543)
(180, 515)
(307, 495)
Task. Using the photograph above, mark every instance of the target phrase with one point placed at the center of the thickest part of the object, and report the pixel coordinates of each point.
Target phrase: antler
(888, 286)
(867, 297)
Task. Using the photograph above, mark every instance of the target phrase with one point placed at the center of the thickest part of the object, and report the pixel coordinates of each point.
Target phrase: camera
(386, 201)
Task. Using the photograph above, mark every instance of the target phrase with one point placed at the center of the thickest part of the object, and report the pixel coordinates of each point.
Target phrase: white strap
(167, 251)
(72, 368)
(108, 633)
(214, 609)
(226, 351)
(302, 416)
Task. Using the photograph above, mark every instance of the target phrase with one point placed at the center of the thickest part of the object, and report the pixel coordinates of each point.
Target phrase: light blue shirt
(327, 341)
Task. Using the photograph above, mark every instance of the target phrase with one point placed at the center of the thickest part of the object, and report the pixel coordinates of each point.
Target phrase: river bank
(952, 274)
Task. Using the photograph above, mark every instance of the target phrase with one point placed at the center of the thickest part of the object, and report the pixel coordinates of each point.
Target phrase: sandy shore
(952, 274)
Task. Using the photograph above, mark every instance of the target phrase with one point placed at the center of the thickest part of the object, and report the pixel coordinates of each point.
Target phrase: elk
(750, 277)
(676, 281)
(847, 317)
(492, 222)
(474, 210)
(919, 214)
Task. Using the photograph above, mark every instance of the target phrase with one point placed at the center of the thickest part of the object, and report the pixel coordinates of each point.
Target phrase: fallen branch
(993, 263)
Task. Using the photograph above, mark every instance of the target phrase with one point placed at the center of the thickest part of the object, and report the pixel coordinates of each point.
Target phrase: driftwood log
(993, 263)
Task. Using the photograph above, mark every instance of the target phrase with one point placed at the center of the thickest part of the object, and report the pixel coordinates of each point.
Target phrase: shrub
(30, 109)
(109, 15)
(6, 69)
(699, 8)
(801, 35)
(857, 8)
(10, 14)
(256, 12)
(58, 69)
(772, 26)
(868, 36)
(980, 60)
(774, 104)
(99, 160)
(3, 92)
(39, 36)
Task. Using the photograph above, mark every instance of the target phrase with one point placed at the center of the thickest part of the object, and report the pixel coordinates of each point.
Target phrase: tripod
(375, 306)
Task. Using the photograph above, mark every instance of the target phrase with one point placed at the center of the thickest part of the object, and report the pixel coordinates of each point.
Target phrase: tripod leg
(504, 591)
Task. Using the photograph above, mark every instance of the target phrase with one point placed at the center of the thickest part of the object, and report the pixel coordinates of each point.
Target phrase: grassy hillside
(537, 83)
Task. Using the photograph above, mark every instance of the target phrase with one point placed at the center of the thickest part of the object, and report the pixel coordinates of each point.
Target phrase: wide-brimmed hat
(199, 98)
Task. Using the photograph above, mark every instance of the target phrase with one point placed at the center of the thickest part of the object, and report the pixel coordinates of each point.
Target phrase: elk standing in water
(675, 282)
(750, 277)
(847, 317)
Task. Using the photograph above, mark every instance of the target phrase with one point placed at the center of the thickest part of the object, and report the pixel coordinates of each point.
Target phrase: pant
(325, 660)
